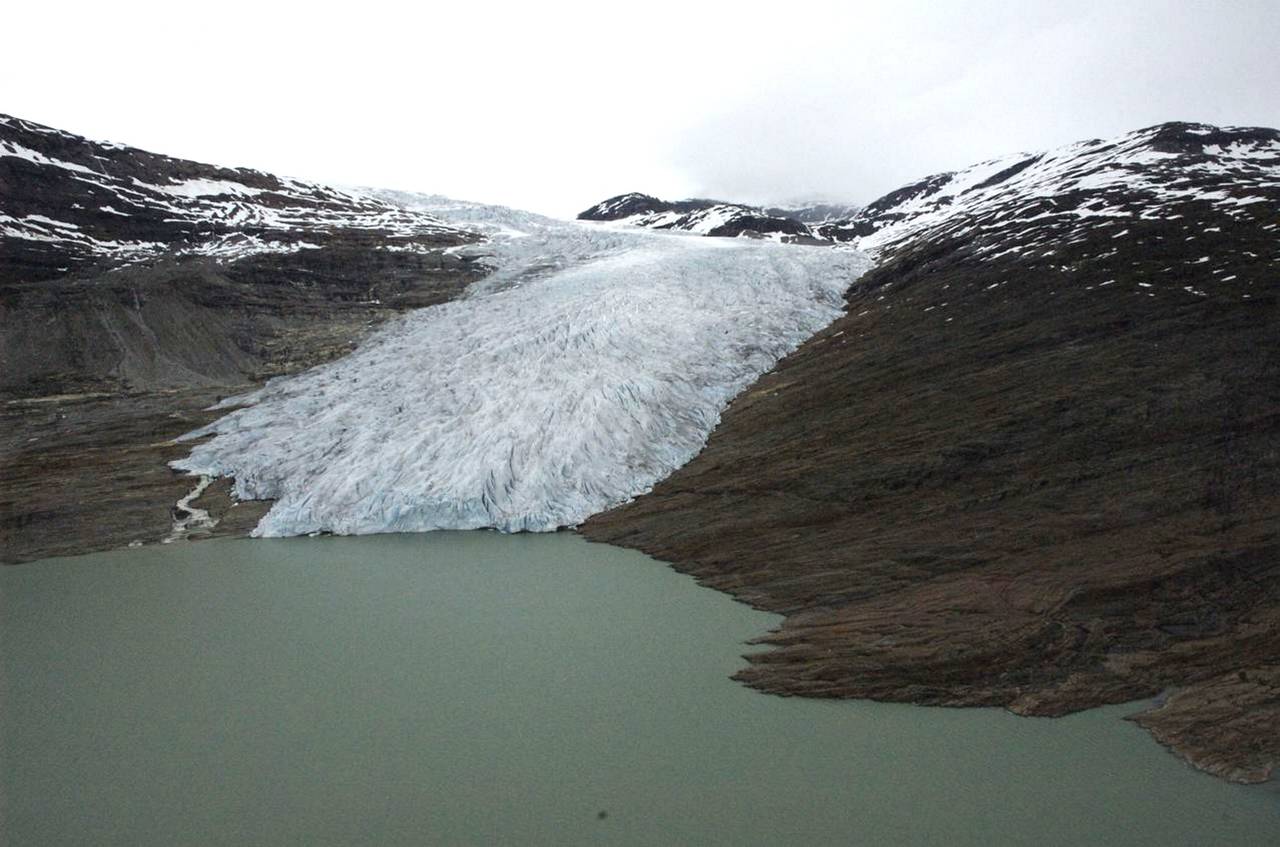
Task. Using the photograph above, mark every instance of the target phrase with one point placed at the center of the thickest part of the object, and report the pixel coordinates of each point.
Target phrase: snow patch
(204, 188)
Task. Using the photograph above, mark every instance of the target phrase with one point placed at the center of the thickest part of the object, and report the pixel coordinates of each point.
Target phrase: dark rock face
(1037, 464)
(706, 217)
(68, 204)
(126, 270)
(1035, 202)
(197, 322)
(760, 224)
(630, 205)
(89, 472)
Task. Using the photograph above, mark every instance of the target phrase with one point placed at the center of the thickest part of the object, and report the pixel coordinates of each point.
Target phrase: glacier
(591, 363)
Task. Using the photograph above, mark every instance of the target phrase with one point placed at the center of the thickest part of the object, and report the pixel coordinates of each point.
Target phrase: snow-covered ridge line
(1060, 194)
(1022, 202)
(703, 217)
(591, 365)
(101, 202)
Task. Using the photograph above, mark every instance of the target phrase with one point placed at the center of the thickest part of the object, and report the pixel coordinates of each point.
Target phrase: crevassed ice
(592, 364)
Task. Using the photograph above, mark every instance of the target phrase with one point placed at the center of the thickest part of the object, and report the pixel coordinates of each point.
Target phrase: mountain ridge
(74, 204)
(104, 247)
(1156, 165)
(1147, 171)
(1036, 464)
(705, 217)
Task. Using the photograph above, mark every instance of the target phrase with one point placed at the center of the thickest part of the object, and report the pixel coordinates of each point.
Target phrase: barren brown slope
(1045, 483)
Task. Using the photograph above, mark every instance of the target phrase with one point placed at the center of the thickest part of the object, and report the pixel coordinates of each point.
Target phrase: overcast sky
(554, 106)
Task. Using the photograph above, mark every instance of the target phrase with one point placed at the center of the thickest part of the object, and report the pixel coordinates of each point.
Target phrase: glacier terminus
(590, 364)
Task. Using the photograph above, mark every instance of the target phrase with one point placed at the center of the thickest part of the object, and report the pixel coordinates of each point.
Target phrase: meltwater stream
(589, 366)
(481, 688)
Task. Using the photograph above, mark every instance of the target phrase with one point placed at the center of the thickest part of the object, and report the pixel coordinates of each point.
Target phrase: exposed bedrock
(1043, 483)
(196, 322)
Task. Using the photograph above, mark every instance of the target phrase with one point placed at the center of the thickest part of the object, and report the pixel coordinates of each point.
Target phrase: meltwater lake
(479, 688)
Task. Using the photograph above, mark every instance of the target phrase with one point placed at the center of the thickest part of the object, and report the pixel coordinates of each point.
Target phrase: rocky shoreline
(89, 473)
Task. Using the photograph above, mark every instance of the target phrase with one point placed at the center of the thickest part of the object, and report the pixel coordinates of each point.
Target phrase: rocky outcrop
(813, 212)
(704, 217)
(88, 472)
(1225, 724)
(197, 322)
(127, 270)
(1036, 464)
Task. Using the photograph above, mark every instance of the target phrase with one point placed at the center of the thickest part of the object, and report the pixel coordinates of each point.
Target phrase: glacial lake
(478, 688)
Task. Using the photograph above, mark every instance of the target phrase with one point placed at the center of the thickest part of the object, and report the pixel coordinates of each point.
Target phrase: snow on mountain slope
(592, 364)
(520, 246)
(70, 203)
(1032, 203)
(703, 217)
(813, 212)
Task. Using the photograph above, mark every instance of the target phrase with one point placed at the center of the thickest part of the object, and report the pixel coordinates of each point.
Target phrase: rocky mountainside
(813, 212)
(74, 205)
(121, 268)
(1036, 463)
(704, 217)
(1032, 204)
(137, 289)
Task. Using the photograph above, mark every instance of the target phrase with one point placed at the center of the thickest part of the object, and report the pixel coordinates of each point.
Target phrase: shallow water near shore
(478, 688)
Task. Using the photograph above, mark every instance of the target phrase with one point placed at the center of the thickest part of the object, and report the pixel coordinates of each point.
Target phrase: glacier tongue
(593, 363)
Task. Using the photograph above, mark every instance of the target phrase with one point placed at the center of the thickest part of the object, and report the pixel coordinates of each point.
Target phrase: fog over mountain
(553, 107)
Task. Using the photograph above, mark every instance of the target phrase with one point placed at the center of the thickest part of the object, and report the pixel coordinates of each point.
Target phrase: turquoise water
(477, 688)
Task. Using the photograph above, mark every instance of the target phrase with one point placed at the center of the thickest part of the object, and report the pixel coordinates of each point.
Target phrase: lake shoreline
(144, 514)
(465, 686)
(89, 473)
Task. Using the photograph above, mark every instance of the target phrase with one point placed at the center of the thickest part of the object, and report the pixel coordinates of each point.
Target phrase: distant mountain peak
(69, 203)
(698, 215)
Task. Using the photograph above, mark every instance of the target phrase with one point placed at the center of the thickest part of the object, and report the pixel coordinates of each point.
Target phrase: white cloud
(553, 106)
